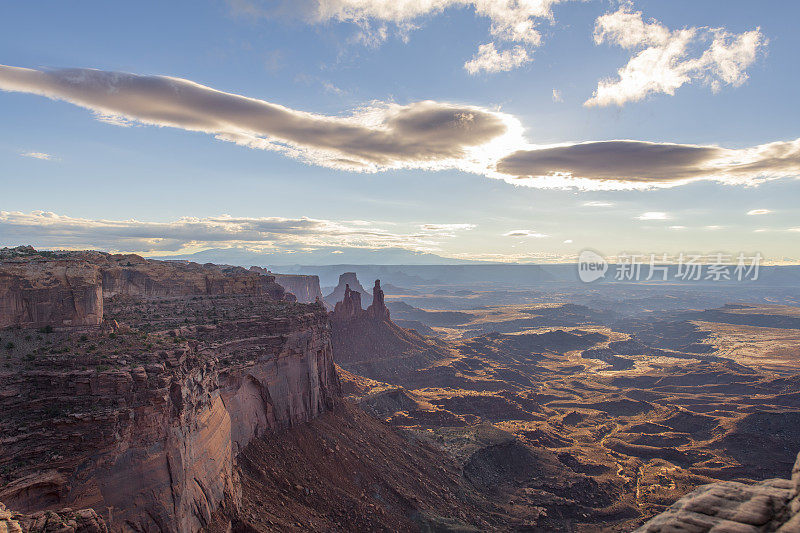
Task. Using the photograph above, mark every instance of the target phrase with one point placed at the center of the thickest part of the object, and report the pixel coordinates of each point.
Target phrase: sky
(501, 130)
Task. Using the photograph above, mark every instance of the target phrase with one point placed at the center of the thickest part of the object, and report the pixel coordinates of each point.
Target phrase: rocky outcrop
(66, 289)
(63, 521)
(731, 507)
(305, 288)
(350, 306)
(377, 310)
(367, 342)
(348, 279)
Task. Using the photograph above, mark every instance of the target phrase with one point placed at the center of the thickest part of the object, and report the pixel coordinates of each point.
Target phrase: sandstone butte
(348, 279)
(129, 386)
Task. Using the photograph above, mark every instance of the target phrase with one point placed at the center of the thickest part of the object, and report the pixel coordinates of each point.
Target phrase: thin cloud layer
(512, 21)
(525, 233)
(665, 60)
(191, 233)
(423, 134)
(627, 164)
(37, 155)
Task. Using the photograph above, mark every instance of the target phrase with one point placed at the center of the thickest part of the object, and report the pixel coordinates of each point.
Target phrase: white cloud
(513, 21)
(654, 215)
(557, 98)
(266, 233)
(759, 212)
(37, 155)
(447, 228)
(488, 59)
(525, 233)
(596, 203)
(664, 60)
(677, 228)
(568, 241)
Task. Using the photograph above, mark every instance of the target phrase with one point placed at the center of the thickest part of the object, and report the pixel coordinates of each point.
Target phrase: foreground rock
(731, 507)
(63, 521)
(142, 419)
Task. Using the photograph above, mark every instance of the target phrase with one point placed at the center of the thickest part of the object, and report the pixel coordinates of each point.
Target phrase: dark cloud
(383, 135)
(634, 161)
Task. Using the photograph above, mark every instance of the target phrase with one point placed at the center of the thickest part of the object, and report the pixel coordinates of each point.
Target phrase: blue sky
(91, 178)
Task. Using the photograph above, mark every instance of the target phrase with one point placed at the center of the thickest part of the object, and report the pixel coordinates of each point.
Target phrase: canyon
(143, 395)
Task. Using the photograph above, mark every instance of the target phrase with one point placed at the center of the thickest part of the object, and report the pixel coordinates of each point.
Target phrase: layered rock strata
(142, 420)
(67, 289)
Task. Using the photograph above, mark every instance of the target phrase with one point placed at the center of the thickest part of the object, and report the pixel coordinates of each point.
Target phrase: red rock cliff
(67, 288)
(144, 423)
(56, 293)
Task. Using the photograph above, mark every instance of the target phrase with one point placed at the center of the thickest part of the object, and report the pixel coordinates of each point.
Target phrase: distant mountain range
(321, 256)
(409, 269)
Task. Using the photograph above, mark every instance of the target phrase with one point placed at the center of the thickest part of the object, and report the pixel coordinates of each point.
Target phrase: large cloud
(513, 21)
(665, 60)
(626, 164)
(191, 233)
(420, 135)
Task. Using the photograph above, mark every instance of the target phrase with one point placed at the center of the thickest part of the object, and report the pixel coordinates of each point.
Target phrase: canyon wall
(143, 421)
(305, 288)
(67, 289)
(151, 447)
(135, 276)
(56, 293)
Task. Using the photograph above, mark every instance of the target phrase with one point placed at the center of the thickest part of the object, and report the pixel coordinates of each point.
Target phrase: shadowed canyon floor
(632, 425)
